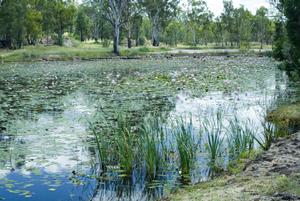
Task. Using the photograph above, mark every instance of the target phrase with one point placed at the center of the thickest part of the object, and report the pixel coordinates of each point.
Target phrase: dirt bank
(272, 176)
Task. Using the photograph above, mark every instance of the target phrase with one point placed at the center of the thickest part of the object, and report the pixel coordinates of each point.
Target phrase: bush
(106, 43)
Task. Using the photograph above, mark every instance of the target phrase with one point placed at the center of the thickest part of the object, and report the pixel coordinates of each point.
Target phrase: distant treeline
(28, 22)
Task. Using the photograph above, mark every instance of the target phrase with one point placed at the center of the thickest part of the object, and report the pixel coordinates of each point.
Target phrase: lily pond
(131, 129)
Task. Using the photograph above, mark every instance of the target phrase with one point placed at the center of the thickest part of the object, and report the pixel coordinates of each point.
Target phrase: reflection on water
(40, 156)
(47, 151)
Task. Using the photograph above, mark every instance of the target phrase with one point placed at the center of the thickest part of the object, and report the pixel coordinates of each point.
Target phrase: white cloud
(216, 6)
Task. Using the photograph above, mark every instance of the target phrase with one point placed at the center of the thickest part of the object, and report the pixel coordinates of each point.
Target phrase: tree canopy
(132, 22)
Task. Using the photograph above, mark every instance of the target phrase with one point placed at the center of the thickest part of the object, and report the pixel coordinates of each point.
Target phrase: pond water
(47, 150)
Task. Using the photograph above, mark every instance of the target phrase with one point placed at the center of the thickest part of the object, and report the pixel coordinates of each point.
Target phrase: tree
(159, 12)
(280, 40)
(218, 31)
(33, 26)
(174, 32)
(228, 19)
(82, 24)
(287, 39)
(12, 20)
(64, 13)
(292, 12)
(114, 11)
(261, 24)
(137, 28)
(242, 27)
(198, 16)
(132, 14)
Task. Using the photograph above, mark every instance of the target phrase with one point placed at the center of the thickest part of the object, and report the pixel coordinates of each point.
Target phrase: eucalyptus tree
(261, 25)
(137, 24)
(228, 19)
(218, 31)
(114, 12)
(174, 32)
(132, 20)
(198, 17)
(243, 22)
(159, 13)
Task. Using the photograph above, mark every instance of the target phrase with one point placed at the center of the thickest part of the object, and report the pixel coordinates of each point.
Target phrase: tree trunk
(155, 30)
(137, 39)
(155, 37)
(60, 41)
(194, 37)
(129, 43)
(116, 38)
(81, 36)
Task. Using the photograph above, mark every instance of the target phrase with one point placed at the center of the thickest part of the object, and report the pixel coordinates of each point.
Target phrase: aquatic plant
(214, 136)
(125, 141)
(240, 138)
(102, 147)
(152, 144)
(186, 147)
(268, 135)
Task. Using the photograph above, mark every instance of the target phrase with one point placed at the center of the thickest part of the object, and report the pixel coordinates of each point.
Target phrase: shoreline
(272, 175)
(26, 56)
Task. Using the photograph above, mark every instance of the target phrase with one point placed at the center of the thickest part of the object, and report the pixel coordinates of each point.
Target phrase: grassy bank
(82, 51)
(240, 188)
(272, 175)
(86, 51)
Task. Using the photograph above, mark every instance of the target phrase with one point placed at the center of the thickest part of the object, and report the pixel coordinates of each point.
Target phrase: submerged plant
(186, 147)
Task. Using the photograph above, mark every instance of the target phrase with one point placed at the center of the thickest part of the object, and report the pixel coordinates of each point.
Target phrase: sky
(216, 6)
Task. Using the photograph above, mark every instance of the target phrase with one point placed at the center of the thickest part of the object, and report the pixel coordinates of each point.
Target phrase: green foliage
(153, 150)
(240, 139)
(125, 142)
(33, 26)
(186, 147)
(63, 15)
(106, 42)
(287, 39)
(174, 33)
(12, 20)
(214, 144)
(268, 136)
(27, 22)
(82, 25)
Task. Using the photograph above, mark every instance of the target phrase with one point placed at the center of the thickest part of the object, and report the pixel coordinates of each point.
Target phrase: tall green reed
(126, 143)
(186, 147)
(240, 138)
(152, 146)
(213, 129)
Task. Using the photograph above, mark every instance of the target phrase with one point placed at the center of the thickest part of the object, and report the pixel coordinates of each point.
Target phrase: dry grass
(240, 188)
